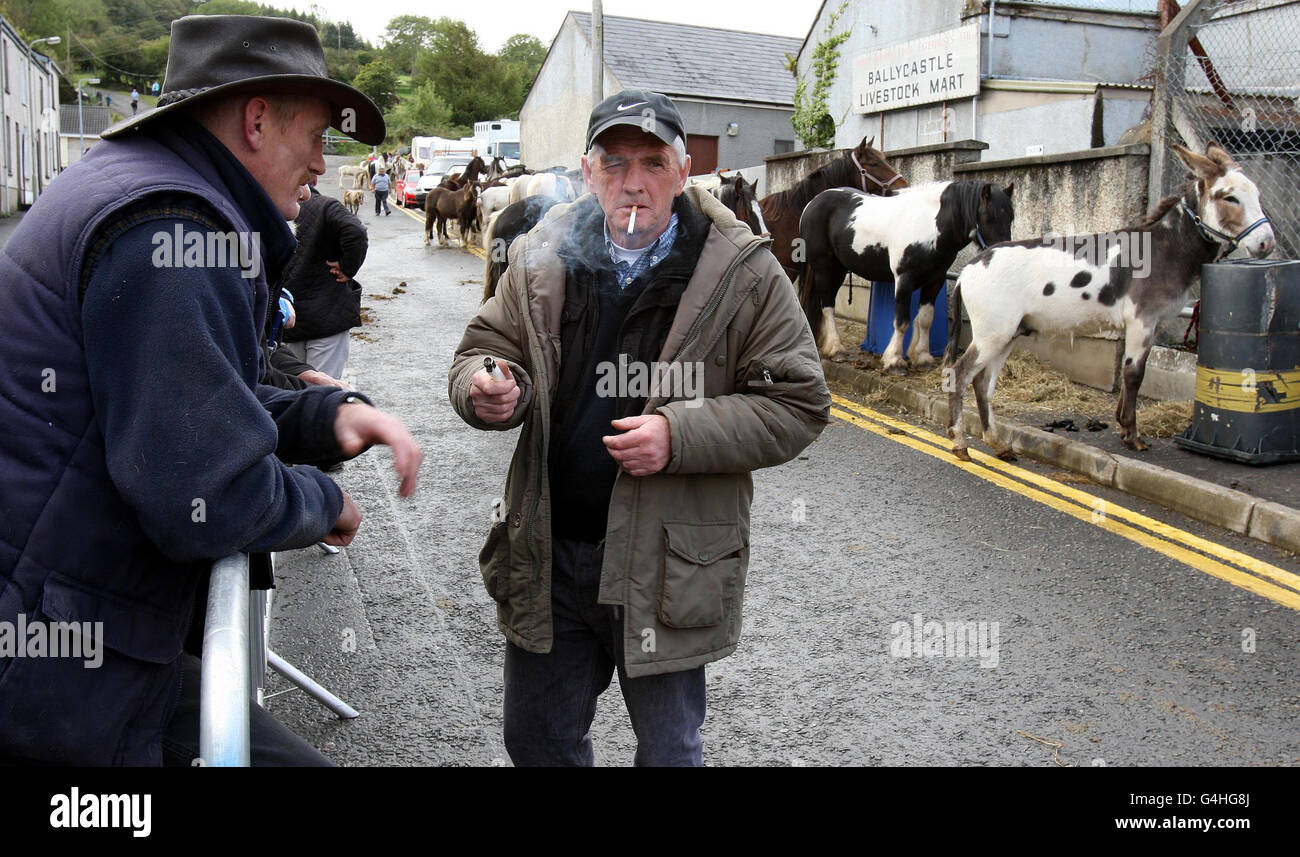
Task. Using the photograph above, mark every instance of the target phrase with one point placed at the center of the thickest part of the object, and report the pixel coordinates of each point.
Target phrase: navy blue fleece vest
(70, 547)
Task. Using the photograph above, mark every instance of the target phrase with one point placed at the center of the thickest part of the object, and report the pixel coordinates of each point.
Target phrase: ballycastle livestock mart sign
(940, 67)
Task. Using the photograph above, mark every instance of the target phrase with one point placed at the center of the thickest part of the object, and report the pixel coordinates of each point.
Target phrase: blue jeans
(550, 699)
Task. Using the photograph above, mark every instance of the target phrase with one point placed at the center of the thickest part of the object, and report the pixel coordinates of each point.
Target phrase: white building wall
(1031, 42)
(553, 120)
(30, 134)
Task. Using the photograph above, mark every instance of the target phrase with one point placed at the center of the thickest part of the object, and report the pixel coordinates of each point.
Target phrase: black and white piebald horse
(910, 238)
(1129, 280)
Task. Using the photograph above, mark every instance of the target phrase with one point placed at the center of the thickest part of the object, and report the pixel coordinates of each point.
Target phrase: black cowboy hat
(214, 55)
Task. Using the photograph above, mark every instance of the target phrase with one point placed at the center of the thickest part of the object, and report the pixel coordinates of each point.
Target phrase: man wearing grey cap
(654, 353)
(138, 444)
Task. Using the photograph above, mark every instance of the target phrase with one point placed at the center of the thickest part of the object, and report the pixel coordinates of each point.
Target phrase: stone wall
(1092, 190)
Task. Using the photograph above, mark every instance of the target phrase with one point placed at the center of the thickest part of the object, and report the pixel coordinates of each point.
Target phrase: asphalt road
(1107, 651)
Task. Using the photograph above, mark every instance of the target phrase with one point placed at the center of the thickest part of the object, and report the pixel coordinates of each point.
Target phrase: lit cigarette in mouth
(631, 221)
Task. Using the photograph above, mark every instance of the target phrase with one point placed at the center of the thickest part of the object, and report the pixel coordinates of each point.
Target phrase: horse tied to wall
(863, 169)
(909, 239)
(1129, 280)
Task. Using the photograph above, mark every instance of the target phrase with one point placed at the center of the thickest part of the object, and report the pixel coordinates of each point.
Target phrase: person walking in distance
(379, 184)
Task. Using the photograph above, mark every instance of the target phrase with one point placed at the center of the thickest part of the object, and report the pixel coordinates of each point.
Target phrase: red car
(406, 189)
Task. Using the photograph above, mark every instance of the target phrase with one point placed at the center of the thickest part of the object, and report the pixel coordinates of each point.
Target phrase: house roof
(96, 119)
(678, 59)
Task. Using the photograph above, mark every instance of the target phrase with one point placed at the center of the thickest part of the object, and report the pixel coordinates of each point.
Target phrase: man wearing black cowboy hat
(138, 444)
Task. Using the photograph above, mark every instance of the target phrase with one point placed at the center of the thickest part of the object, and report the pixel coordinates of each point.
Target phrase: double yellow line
(419, 218)
(1239, 569)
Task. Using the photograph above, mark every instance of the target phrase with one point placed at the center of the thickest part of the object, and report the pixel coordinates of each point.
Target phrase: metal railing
(226, 692)
(236, 653)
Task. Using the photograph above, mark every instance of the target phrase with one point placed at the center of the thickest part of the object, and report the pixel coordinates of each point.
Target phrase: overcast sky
(496, 20)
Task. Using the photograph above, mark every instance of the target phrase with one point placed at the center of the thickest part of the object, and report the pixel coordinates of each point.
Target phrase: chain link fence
(1229, 70)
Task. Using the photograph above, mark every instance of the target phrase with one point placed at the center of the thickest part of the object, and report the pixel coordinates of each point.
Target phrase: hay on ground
(1033, 391)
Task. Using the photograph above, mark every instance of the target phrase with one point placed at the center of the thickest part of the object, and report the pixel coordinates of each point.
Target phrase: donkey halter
(1214, 236)
(884, 186)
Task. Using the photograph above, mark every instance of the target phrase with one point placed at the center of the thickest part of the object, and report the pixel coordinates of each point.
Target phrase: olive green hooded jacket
(677, 542)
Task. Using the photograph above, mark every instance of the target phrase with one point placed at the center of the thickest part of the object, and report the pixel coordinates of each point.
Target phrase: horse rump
(512, 221)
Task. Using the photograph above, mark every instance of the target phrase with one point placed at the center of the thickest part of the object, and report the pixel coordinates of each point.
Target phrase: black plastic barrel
(1248, 366)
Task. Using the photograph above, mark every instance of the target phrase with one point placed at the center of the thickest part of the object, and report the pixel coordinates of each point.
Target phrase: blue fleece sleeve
(172, 354)
(305, 420)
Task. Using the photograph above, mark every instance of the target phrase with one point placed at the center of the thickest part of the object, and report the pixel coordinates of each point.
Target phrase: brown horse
(442, 205)
(469, 175)
(864, 169)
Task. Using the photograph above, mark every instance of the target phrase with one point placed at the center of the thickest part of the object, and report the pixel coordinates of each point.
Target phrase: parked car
(406, 189)
(437, 170)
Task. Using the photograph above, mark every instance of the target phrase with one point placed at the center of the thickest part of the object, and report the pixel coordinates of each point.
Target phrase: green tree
(524, 50)
(474, 84)
(405, 38)
(378, 82)
(36, 19)
(424, 114)
(812, 121)
(521, 57)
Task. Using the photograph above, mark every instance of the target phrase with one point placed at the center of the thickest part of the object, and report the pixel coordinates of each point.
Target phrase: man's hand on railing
(345, 528)
(359, 425)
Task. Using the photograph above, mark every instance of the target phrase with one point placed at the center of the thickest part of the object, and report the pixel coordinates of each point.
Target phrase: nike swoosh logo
(630, 106)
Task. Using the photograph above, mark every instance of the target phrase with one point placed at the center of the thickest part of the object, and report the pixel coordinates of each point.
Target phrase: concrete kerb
(1272, 523)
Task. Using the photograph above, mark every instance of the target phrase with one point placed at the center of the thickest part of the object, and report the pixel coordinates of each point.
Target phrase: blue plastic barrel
(880, 320)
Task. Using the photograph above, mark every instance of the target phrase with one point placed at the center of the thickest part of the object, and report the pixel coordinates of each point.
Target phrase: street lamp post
(31, 114)
(81, 125)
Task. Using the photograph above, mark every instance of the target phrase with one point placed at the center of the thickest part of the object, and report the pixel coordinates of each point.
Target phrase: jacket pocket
(702, 568)
(136, 630)
(494, 561)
